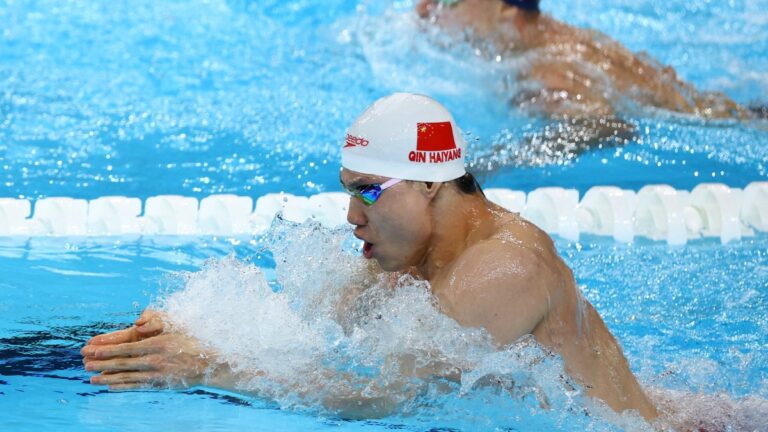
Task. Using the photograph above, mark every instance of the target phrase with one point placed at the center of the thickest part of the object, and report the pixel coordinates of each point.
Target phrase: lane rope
(658, 212)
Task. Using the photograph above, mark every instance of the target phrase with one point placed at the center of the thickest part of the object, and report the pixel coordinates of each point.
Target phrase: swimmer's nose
(356, 212)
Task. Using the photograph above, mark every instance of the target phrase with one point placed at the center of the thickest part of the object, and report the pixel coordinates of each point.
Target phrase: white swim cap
(405, 136)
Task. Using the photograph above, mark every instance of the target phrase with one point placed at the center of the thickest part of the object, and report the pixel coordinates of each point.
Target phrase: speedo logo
(434, 143)
(353, 141)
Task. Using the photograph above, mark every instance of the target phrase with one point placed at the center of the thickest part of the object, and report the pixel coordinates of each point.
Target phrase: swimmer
(418, 211)
(571, 72)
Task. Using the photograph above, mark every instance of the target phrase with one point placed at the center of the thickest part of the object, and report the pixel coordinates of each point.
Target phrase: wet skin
(491, 268)
(574, 72)
(486, 266)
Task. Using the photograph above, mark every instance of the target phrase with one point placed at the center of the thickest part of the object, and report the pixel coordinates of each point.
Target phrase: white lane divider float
(608, 211)
(657, 212)
(170, 214)
(13, 216)
(553, 209)
(114, 215)
(754, 208)
(225, 214)
(60, 216)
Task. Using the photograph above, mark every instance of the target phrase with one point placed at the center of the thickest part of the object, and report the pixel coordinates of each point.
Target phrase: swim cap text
(434, 156)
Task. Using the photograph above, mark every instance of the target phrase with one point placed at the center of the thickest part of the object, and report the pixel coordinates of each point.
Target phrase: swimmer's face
(397, 227)
(481, 16)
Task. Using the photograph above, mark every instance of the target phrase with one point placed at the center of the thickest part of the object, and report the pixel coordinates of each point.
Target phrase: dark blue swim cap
(529, 5)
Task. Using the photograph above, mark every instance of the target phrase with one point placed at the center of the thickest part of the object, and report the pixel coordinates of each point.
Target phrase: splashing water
(711, 411)
(327, 332)
(333, 337)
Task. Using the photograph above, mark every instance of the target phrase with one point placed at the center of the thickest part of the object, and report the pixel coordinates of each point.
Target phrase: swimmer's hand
(147, 356)
(169, 360)
(149, 324)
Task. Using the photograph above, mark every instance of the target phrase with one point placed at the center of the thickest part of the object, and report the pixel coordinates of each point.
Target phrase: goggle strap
(389, 183)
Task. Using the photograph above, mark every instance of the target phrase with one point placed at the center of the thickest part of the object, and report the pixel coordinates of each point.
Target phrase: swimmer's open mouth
(367, 250)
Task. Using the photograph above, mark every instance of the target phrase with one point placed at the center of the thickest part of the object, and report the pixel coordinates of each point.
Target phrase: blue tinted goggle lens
(369, 194)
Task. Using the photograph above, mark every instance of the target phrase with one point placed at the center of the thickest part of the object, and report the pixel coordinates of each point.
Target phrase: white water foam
(382, 352)
(332, 337)
(710, 412)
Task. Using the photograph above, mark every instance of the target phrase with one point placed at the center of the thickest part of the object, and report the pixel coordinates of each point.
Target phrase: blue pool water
(140, 98)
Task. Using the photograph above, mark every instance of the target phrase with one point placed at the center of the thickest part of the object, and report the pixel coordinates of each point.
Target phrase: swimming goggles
(529, 5)
(370, 193)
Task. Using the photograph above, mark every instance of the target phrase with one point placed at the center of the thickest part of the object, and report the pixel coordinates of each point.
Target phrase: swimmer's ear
(431, 188)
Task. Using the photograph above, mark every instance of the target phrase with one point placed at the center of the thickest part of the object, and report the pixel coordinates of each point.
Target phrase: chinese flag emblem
(434, 136)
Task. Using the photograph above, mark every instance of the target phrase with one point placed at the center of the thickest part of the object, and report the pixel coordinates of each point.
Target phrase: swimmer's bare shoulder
(506, 283)
(513, 283)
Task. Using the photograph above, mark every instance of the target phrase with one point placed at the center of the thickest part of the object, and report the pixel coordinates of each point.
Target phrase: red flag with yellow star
(435, 136)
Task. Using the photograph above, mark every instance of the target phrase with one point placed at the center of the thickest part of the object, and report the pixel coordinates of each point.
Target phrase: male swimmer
(572, 72)
(418, 211)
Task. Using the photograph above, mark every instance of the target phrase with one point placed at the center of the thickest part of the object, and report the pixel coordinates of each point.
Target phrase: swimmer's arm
(147, 356)
(175, 361)
(584, 117)
(372, 274)
(505, 289)
(563, 93)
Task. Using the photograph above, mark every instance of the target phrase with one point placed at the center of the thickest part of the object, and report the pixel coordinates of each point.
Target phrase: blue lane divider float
(658, 212)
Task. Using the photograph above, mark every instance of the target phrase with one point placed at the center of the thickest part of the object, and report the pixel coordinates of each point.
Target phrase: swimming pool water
(712, 341)
(143, 98)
